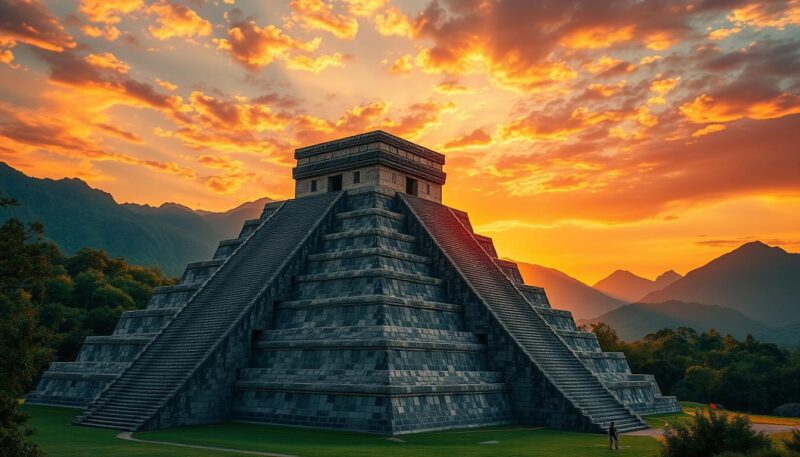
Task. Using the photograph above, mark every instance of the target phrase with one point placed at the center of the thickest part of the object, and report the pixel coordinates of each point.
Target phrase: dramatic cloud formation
(586, 135)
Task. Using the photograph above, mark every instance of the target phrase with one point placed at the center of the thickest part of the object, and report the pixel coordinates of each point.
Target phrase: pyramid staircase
(368, 340)
(503, 300)
(197, 330)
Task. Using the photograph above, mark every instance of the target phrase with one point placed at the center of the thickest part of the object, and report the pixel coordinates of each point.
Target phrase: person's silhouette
(613, 436)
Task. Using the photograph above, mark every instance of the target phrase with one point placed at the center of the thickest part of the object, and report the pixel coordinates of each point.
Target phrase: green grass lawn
(58, 438)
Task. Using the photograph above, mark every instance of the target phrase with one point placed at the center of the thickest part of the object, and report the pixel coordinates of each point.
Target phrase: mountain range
(75, 215)
(760, 281)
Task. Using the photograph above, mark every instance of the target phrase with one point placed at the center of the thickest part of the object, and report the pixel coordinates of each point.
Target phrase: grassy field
(58, 438)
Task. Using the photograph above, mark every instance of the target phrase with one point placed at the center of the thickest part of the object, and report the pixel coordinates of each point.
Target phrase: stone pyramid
(362, 304)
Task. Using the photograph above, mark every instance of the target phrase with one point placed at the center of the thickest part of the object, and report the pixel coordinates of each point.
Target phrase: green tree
(23, 267)
(712, 432)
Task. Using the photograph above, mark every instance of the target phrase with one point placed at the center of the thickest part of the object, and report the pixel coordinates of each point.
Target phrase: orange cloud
(606, 90)
(451, 86)
(318, 15)
(777, 14)
(707, 109)
(315, 65)
(559, 128)
(710, 128)
(166, 85)
(510, 72)
(108, 32)
(513, 73)
(174, 20)
(31, 22)
(662, 87)
(364, 8)
(597, 37)
(721, 34)
(118, 132)
(394, 22)
(606, 64)
(660, 41)
(234, 176)
(217, 114)
(108, 61)
(402, 65)
(109, 11)
(255, 47)
(6, 57)
(29, 131)
(478, 137)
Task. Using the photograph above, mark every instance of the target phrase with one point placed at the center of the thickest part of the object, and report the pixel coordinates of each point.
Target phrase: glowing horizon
(584, 136)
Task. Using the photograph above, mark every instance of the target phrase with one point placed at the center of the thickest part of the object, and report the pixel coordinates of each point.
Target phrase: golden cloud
(451, 86)
(224, 115)
(107, 60)
(7, 57)
(707, 109)
(660, 41)
(721, 34)
(318, 15)
(395, 22)
(402, 65)
(478, 137)
(778, 14)
(607, 63)
(597, 37)
(174, 20)
(364, 8)
(109, 11)
(315, 65)
(606, 90)
(255, 47)
(710, 128)
(662, 87)
(166, 85)
(108, 32)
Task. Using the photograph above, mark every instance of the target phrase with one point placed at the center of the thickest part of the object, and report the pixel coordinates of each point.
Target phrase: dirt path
(766, 428)
(129, 437)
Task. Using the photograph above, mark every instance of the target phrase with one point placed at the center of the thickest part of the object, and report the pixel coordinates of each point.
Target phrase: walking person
(613, 436)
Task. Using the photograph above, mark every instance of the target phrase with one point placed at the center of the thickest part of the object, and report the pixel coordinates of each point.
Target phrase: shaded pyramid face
(365, 309)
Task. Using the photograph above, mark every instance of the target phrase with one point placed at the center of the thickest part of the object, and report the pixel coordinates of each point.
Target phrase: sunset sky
(581, 135)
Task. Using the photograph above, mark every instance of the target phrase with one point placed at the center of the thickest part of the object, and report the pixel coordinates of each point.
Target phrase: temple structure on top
(369, 160)
(361, 304)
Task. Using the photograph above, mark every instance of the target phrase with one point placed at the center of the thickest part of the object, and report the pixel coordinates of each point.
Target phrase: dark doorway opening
(482, 338)
(412, 186)
(335, 183)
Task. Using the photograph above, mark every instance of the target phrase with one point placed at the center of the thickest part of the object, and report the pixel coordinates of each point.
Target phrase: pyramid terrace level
(364, 304)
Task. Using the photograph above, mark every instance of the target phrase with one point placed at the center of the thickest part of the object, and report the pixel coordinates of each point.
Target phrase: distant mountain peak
(173, 205)
(758, 280)
(628, 286)
(757, 247)
(666, 278)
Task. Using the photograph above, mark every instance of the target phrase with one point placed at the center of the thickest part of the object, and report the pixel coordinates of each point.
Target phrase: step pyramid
(369, 306)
